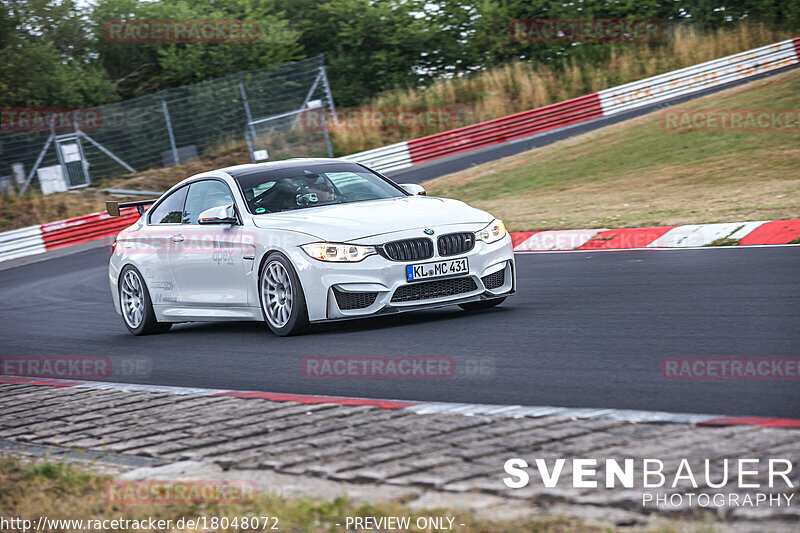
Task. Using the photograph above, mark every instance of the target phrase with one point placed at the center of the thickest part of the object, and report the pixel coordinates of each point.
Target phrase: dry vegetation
(521, 86)
(637, 174)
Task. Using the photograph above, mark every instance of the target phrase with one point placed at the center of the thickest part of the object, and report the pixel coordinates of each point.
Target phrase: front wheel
(483, 304)
(282, 300)
(136, 306)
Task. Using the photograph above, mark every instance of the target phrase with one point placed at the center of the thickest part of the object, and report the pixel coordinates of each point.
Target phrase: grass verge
(62, 491)
(638, 173)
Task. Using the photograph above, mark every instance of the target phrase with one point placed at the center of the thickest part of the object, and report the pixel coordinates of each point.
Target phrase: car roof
(238, 171)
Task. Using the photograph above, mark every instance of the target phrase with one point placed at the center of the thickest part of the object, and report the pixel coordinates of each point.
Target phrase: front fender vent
(354, 300)
(495, 280)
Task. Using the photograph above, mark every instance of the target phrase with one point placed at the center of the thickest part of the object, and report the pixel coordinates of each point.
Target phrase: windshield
(299, 187)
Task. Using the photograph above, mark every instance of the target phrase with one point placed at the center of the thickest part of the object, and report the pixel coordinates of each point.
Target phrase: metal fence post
(328, 94)
(325, 134)
(246, 105)
(249, 144)
(41, 156)
(169, 131)
(84, 162)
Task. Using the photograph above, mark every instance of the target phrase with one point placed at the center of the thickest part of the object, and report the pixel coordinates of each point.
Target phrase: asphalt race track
(584, 330)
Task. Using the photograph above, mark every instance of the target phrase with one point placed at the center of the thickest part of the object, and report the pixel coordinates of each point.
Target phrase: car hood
(359, 220)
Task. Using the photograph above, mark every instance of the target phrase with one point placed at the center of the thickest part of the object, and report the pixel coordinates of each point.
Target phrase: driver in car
(318, 192)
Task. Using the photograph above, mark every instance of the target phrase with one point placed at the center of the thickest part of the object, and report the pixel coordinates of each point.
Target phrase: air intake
(408, 250)
(455, 243)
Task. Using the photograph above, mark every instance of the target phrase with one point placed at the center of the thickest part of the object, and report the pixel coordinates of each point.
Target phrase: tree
(46, 59)
(142, 68)
(369, 46)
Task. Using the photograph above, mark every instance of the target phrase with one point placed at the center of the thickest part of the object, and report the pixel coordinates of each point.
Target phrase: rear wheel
(282, 300)
(483, 304)
(136, 306)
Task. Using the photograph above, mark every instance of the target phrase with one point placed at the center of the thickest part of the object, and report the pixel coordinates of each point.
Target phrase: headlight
(342, 253)
(493, 232)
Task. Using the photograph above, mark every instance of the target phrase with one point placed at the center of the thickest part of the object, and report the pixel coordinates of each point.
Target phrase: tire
(135, 304)
(483, 304)
(283, 302)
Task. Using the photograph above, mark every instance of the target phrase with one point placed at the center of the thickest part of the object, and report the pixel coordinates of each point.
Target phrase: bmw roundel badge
(428, 231)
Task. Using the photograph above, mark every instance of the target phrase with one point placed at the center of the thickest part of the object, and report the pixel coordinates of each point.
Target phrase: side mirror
(223, 214)
(413, 188)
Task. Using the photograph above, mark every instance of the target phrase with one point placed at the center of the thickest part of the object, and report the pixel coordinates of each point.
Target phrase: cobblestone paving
(450, 453)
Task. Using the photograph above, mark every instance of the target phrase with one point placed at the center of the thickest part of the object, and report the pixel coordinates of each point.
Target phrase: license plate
(437, 269)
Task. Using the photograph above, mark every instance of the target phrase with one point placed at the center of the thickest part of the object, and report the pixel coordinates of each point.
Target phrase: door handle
(177, 238)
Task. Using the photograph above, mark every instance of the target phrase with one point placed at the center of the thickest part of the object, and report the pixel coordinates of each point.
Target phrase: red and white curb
(427, 408)
(764, 232)
(40, 239)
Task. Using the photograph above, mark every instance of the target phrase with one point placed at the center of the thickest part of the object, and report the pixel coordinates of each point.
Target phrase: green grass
(638, 173)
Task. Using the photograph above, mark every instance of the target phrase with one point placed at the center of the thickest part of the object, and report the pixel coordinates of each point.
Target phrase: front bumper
(333, 289)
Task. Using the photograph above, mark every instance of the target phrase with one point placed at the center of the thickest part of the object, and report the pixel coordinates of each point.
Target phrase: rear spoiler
(112, 208)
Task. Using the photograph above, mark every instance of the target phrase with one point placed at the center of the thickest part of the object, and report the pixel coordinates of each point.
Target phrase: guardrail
(699, 77)
(21, 242)
(499, 130)
(385, 158)
(675, 84)
(86, 228)
(42, 238)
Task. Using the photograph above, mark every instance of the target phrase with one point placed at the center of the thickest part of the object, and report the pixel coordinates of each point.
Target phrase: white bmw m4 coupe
(302, 241)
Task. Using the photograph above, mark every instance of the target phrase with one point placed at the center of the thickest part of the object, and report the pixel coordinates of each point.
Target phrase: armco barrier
(660, 88)
(39, 239)
(386, 158)
(699, 77)
(516, 126)
(21, 242)
(86, 228)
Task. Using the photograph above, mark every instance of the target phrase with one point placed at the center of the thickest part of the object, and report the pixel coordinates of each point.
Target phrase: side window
(169, 211)
(205, 195)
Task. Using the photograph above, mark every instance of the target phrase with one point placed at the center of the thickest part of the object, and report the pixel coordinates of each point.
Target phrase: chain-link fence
(164, 128)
